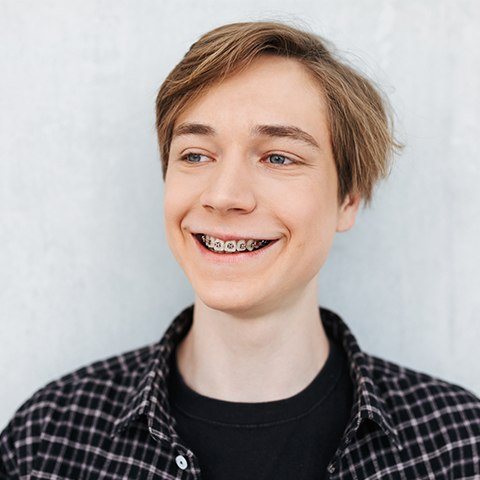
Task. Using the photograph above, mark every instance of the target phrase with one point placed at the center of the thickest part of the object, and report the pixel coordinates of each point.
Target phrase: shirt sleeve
(8, 461)
(20, 440)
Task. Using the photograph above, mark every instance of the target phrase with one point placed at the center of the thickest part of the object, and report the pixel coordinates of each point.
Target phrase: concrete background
(85, 271)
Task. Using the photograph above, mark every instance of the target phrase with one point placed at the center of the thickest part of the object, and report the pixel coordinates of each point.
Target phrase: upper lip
(232, 236)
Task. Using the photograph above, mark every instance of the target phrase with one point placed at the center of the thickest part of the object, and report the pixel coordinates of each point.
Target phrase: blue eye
(275, 158)
(278, 159)
(192, 157)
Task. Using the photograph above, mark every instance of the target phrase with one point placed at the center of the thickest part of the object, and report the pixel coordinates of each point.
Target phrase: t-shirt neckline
(201, 407)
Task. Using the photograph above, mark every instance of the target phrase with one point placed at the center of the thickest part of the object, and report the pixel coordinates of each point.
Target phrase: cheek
(311, 219)
(174, 206)
(168, 208)
(310, 212)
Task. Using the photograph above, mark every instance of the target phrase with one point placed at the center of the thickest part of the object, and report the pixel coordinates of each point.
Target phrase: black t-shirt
(295, 437)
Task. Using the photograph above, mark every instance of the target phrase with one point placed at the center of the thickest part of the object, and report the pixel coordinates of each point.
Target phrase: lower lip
(239, 257)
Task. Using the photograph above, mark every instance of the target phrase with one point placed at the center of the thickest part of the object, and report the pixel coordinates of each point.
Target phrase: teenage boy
(269, 144)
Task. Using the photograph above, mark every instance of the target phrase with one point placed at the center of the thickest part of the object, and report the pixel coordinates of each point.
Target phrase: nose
(229, 187)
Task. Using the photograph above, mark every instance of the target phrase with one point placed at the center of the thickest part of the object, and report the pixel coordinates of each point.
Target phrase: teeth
(241, 245)
(218, 245)
(231, 246)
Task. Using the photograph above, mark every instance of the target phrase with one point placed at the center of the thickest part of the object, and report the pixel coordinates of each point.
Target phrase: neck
(254, 359)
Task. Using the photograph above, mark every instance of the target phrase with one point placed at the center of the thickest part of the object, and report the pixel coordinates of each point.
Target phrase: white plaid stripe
(111, 420)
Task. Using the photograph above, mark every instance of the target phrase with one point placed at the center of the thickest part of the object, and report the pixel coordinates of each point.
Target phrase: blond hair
(359, 118)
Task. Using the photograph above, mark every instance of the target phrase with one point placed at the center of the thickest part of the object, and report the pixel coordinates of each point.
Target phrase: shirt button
(181, 462)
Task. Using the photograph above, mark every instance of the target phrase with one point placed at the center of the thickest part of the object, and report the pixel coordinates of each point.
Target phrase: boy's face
(247, 184)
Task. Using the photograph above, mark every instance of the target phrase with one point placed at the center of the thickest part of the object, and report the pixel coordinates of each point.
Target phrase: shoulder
(119, 372)
(413, 385)
(98, 389)
(426, 408)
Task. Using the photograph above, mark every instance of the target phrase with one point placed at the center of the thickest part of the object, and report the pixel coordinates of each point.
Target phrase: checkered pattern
(111, 420)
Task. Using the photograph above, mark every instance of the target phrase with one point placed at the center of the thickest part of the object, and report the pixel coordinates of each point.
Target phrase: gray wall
(85, 271)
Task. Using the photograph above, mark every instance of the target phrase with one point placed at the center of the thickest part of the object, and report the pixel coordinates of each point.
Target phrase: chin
(228, 300)
(246, 304)
(233, 301)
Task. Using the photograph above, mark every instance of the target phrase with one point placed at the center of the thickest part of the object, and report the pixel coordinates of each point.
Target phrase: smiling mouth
(230, 247)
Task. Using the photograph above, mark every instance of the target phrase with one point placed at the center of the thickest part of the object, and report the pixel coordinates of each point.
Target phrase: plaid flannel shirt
(111, 420)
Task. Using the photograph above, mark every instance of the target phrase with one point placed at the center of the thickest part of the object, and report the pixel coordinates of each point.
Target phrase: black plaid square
(111, 420)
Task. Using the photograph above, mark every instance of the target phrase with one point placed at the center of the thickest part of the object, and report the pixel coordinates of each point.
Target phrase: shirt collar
(149, 397)
(369, 403)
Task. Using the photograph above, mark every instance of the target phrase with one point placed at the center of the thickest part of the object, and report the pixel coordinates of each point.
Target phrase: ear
(347, 212)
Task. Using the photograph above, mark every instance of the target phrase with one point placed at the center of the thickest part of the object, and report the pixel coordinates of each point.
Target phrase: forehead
(271, 90)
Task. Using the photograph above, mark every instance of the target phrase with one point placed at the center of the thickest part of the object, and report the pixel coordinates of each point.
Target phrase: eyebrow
(274, 131)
